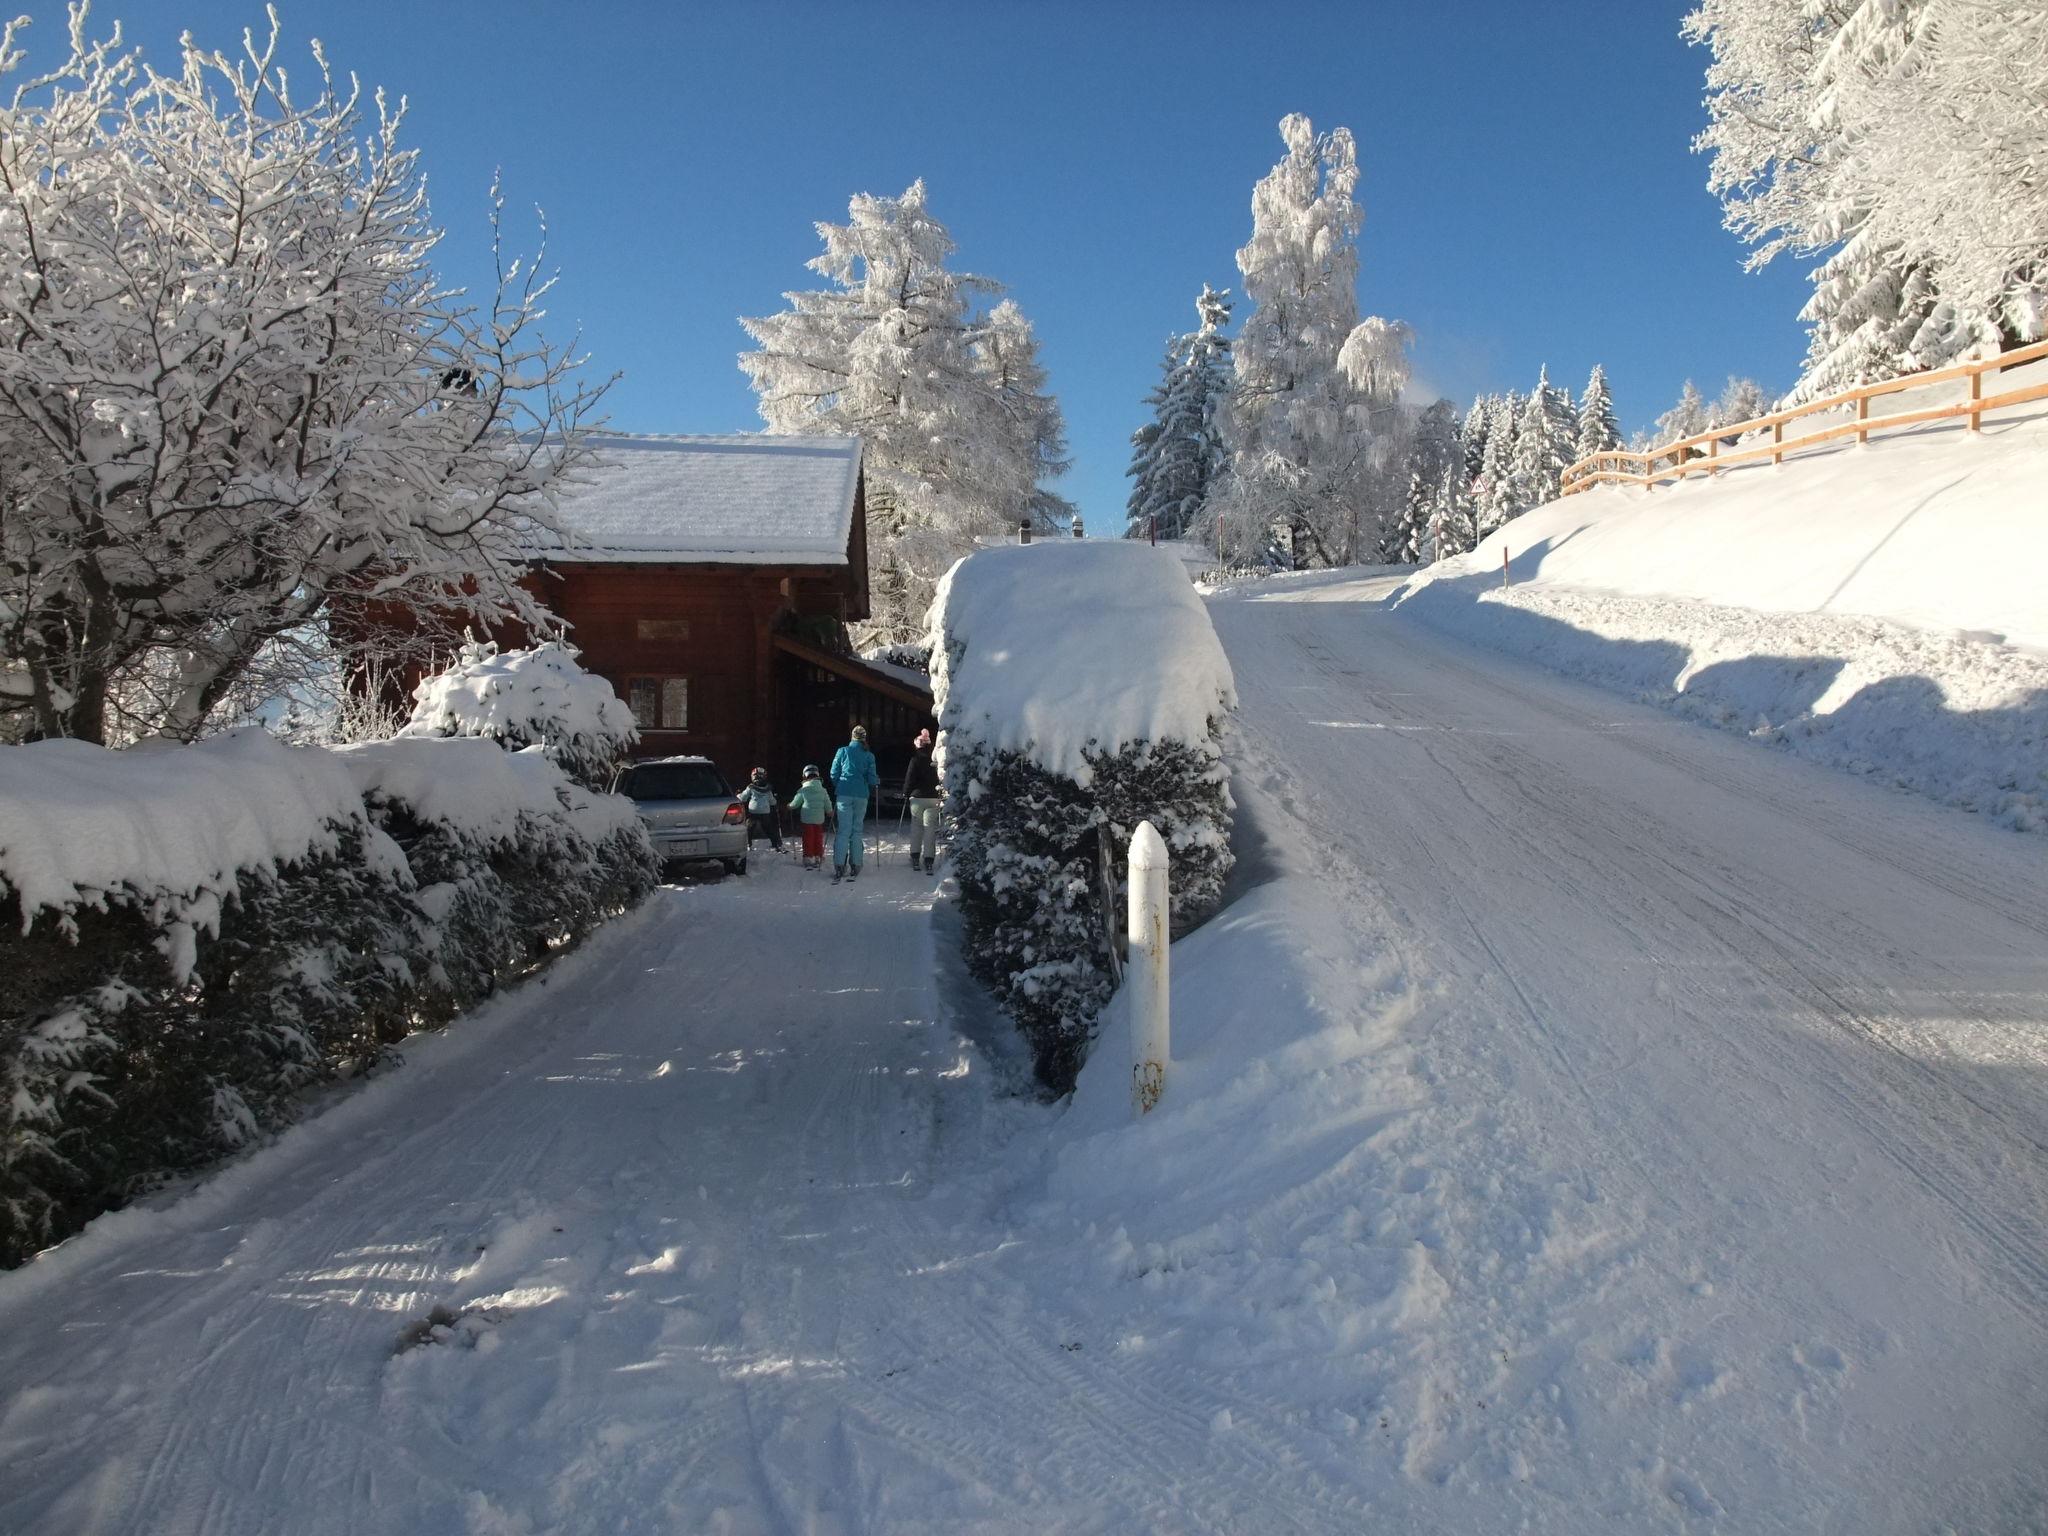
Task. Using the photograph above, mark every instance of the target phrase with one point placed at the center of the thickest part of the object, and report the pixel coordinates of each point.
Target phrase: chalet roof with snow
(748, 499)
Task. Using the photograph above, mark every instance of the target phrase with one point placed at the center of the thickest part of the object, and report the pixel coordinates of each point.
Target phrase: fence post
(1777, 442)
(1503, 567)
(1145, 972)
(1713, 454)
(1862, 416)
(1977, 401)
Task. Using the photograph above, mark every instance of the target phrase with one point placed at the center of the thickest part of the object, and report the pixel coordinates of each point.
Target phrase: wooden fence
(1705, 452)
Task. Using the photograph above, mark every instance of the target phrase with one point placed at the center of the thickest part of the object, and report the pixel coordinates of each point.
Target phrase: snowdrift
(1878, 608)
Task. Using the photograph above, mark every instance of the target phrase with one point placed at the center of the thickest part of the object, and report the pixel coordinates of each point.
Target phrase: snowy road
(1790, 1030)
(719, 1202)
(1651, 1139)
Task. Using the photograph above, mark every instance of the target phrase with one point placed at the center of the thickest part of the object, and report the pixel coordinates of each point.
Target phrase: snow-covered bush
(526, 698)
(190, 936)
(1081, 689)
(512, 861)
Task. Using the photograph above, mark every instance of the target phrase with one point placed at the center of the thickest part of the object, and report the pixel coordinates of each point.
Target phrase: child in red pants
(812, 804)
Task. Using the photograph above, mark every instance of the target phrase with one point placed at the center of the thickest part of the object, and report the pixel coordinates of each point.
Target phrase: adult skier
(854, 783)
(921, 789)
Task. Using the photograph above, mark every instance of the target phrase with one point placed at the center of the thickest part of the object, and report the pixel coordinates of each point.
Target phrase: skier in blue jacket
(854, 782)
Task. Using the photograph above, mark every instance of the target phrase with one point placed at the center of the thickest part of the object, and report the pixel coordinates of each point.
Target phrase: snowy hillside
(1878, 608)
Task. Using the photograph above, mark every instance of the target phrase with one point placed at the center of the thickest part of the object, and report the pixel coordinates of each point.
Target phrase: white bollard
(1145, 972)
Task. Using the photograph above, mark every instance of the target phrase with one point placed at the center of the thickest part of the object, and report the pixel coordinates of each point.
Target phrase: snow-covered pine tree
(1180, 451)
(1434, 452)
(1542, 445)
(1472, 435)
(1308, 376)
(1598, 431)
(937, 377)
(1451, 527)
(1493, 494)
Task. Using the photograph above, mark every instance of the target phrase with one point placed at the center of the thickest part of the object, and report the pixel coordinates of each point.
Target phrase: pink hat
(924, 739)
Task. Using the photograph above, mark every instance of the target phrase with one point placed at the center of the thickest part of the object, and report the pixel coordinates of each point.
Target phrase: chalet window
(659, 703)
(663, 629)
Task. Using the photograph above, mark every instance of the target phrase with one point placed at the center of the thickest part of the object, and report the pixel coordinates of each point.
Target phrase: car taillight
(734, 813)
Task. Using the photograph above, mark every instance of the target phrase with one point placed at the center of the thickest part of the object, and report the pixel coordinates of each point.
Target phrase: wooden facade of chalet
(710, 582)
(712, 588)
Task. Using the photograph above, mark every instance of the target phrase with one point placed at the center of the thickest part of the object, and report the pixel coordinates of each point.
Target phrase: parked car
(690, 812)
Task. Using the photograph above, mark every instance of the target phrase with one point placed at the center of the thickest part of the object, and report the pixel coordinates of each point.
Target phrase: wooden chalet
(710, 581)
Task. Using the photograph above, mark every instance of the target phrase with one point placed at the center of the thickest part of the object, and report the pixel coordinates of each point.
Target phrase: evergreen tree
(1308, 376)
(936, 373)
(1542, 446)
(1598, 431)
(1452, 530)
(1178, 453)
(1493, 493)
(1434, 452)
(1472, 435)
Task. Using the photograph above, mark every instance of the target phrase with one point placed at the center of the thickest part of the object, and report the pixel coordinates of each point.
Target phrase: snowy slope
(1929, 527)
(1878, 609)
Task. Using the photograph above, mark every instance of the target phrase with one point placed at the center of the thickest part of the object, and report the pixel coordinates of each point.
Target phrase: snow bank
(1930, 527)
(173, 828)
(1875, 609)
(479, 791)
(1056, 647)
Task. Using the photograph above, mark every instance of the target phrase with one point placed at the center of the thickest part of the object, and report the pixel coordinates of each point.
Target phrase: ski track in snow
(1674, 1161)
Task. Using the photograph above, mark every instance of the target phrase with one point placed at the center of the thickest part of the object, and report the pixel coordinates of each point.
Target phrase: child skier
(759, 799)
(813, 805)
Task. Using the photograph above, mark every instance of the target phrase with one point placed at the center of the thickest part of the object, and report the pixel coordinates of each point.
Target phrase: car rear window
(674, 781)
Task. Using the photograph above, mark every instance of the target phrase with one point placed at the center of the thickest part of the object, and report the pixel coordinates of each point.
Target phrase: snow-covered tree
(1472, 434)
(1313, 386)
(1688, 418)
(1434, 454)
(1493, 492)
(1949, 154)
(1901, 137)
(1742, 400)
(1598, 431)
(1452, 530)
(1542, 447)
(233, 389)
(935, 373)
(1179, 452)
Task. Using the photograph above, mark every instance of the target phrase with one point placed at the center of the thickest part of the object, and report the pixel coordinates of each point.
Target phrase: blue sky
(1529, 192)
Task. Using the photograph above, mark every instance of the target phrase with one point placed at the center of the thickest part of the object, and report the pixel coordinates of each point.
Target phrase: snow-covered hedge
(528, 698)
(1081, 689)
(190, 936)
